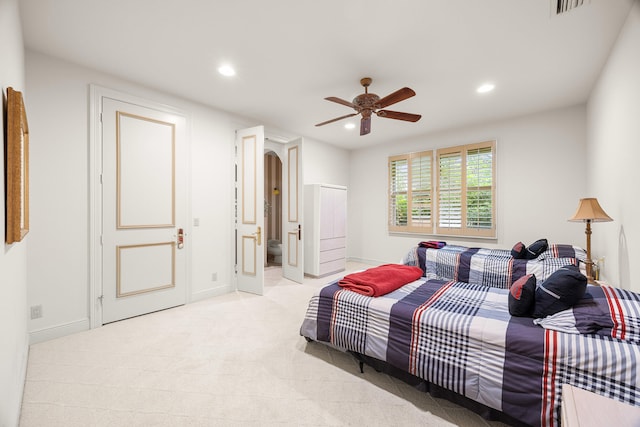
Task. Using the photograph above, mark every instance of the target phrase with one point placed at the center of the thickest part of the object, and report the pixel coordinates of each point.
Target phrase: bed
(459, 335)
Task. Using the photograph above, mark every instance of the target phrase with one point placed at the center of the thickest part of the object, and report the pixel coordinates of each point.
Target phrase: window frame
(434, 228)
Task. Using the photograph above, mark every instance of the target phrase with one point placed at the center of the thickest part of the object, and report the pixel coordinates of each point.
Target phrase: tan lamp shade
(590, 210)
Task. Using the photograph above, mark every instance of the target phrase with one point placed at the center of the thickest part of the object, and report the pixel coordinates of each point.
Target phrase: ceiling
(290, 54)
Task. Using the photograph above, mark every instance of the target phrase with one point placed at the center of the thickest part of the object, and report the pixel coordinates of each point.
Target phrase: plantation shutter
(466, 193)
(398, 186)
(410, 192)
(479, 188)
(421, 190)
(450, 192)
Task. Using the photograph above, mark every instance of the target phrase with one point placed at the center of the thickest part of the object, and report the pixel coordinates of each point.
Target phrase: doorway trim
(96, 95)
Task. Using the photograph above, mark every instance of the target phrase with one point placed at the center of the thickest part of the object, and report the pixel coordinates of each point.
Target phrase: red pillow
(519, 250)
(522, 296)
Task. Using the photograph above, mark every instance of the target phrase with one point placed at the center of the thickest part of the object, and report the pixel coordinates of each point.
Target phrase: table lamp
(589, 211)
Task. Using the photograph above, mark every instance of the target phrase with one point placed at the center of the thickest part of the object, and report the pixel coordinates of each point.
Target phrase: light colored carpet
(233, 360)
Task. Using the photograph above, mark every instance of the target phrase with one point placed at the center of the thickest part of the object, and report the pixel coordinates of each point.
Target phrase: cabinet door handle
(299, 232)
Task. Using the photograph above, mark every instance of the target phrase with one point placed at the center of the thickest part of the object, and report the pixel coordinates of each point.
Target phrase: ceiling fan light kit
(367, 104)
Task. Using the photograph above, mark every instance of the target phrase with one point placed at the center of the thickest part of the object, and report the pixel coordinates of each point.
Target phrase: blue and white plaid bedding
(461, 336)
(489, 267)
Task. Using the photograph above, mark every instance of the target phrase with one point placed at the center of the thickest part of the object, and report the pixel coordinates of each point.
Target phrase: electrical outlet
(36, 311)
(214, 277)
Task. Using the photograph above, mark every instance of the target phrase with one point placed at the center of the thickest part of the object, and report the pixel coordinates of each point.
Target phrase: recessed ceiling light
(350, 126)
(227, 70)
(487, 87)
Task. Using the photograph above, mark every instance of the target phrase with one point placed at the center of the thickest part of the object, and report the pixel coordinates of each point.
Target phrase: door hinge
(100, 298)
(101, 240)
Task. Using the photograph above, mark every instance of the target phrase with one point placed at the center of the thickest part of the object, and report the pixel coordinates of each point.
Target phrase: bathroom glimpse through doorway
(273, 209)
(283, 187)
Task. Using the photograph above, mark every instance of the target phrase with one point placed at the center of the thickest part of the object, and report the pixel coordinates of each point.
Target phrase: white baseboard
(58, 331)
(211, 292)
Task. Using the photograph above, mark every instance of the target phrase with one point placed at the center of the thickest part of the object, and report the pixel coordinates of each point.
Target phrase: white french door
(250, 236)
(143, 209)
(292, 212)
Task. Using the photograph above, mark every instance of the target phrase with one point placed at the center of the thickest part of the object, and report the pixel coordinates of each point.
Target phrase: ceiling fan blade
(365, 125)
(336, 119)
(340, 101)
(397, 96)
(398, 115)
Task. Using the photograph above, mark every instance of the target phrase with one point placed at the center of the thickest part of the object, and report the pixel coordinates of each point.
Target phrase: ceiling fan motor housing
(366, 101)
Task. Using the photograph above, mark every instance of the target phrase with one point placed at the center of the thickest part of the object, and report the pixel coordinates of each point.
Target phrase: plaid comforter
(460, 336)
(490, 267)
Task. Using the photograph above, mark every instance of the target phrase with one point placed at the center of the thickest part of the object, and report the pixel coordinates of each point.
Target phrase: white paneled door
(250, 205)
(143, 209)
(292, 212)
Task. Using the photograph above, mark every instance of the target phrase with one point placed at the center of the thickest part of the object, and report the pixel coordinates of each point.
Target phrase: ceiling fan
(370, 103)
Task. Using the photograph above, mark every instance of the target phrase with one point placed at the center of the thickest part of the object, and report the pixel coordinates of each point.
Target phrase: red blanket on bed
(381, 280)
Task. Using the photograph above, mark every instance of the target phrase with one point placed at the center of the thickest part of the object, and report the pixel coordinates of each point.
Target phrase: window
(459, 200)
(410, 191)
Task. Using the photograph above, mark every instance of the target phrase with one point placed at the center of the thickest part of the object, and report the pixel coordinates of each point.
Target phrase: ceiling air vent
(562, 6)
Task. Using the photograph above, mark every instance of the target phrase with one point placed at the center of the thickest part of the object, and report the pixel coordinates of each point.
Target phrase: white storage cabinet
(325, 228)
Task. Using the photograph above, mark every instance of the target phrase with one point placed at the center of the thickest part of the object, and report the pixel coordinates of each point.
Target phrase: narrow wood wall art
(16, 168)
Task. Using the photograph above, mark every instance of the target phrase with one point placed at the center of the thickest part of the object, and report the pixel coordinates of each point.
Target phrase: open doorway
(283, 209)
(251, 235)
(273, 209)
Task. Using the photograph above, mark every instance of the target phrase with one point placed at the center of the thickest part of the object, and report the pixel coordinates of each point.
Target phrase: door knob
(180, 238)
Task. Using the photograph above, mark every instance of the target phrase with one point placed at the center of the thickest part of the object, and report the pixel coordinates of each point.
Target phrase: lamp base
(589, 267)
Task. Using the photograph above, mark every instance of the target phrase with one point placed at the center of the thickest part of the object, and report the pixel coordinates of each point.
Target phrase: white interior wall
(58, 258)
(58, 255)
(321, 162)
(540, 178)
(613, 152)
(325, 164)
(13, 266)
